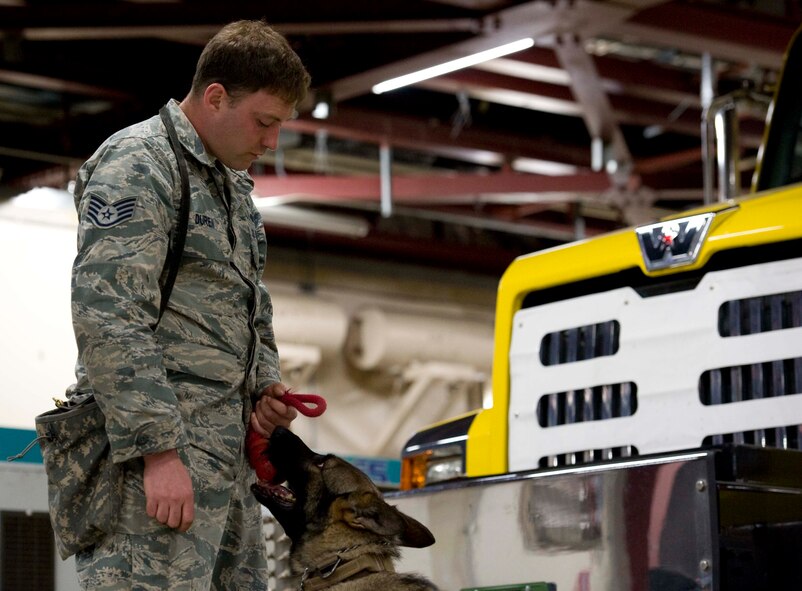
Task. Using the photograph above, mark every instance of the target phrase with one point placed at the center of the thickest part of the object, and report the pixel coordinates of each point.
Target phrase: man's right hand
(168, 490)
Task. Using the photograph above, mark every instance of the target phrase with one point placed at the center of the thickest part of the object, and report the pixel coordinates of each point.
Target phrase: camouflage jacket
(189, 381)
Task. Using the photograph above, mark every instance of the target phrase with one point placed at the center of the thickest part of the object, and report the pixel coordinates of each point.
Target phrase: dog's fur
(333, 511)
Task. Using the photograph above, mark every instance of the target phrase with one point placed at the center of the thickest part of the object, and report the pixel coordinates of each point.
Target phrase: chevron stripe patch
(105, 215)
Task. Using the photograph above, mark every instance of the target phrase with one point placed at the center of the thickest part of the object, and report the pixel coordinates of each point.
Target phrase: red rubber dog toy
(257, 445)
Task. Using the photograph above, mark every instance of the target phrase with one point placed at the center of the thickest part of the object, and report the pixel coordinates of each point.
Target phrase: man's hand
(269, 412)
(168, 490)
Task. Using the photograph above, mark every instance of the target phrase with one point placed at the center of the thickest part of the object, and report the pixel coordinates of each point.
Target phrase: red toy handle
(302, 401)
(256, 445)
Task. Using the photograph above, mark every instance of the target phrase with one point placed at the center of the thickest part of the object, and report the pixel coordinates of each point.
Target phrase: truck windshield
(781, 161)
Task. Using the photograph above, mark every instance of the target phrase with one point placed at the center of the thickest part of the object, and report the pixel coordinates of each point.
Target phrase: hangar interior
(385, 208)
(392, 215)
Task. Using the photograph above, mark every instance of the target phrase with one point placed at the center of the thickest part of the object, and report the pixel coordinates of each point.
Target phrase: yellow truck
(646, 419)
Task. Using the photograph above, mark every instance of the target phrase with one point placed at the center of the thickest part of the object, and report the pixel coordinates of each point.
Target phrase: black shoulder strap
(178, 238)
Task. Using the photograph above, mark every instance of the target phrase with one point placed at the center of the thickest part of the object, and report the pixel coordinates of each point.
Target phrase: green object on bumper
(517, 587)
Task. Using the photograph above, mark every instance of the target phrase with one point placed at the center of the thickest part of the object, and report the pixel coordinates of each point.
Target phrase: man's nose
(270, 139)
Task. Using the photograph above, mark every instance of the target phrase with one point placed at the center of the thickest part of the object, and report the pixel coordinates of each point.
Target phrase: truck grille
(718, 362)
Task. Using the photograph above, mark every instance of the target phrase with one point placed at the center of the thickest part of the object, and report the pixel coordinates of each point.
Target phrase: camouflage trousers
(223, 550)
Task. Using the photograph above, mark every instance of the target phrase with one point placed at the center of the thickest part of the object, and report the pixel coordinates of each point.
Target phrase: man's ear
(214, 95)
(370, 512)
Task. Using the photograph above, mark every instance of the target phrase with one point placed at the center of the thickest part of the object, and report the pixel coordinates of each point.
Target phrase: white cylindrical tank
(378, 338)
(302, 319)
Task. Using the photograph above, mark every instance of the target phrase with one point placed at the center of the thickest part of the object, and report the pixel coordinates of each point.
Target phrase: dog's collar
(314, 579)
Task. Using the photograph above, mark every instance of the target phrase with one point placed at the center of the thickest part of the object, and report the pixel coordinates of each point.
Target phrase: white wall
(315, 305)
(37, 348)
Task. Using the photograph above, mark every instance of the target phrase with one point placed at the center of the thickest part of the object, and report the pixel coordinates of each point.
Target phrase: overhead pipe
(385, 339)
(295, 313)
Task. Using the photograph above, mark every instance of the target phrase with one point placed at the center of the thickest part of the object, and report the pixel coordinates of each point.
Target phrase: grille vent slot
(760, 314)
(770, 379)
(789, 437)
(587, 456)
(580, 343)
(597, 403)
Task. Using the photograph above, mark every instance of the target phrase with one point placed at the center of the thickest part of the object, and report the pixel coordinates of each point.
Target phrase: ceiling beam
(669, 161)
(479, 146)
(618, 76)
(596, 109)
(53, 84)
(482, 259)
(554, 98)
(561, 232)
(199, 34)
(700, 28)
(433, 189)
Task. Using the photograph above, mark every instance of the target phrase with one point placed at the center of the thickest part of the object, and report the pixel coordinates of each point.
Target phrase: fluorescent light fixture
(453, 65)
(545, 167)
(321, 110)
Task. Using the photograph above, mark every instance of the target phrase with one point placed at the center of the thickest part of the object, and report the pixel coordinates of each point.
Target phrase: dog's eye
(321, 461)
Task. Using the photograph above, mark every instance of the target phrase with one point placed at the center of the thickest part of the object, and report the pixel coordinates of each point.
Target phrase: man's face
(242, 131)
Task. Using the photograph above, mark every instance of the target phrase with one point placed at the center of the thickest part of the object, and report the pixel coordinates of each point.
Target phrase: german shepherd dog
(344, 536)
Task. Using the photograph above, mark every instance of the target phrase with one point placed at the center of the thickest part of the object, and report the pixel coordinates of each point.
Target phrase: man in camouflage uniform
(177, 399)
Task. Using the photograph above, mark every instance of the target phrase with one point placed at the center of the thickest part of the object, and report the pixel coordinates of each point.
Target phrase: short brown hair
(249, 56)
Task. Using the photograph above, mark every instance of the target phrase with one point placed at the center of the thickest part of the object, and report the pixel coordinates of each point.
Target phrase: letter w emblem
(673, 243)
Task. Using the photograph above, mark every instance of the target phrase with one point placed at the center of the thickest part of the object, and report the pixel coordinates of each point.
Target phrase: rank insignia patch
(104, 215)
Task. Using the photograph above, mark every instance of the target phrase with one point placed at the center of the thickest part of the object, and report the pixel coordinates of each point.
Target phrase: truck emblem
(673, 243)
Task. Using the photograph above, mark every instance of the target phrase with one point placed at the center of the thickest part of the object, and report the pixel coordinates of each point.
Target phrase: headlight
(429, 466)
(437, 453)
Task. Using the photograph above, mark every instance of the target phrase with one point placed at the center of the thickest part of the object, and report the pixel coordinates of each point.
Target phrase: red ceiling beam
(625, 76)
(741, 36)
(723, 24)
(26, 79)
(669, 161)
(482, 146)
(429, 189)
(628, 109)
(477, 259)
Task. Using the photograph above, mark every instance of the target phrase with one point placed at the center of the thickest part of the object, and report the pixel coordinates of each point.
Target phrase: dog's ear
(415, 535)
(368, 511)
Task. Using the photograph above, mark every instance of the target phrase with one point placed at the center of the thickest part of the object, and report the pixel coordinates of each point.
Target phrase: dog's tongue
(282, 495)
